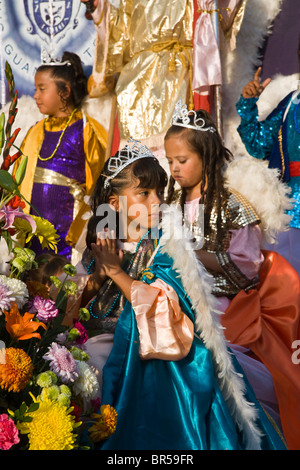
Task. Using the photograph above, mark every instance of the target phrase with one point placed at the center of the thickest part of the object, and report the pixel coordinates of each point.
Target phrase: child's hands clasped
(108, 258)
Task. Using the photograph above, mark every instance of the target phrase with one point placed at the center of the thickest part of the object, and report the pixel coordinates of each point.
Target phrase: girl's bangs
(150, 173)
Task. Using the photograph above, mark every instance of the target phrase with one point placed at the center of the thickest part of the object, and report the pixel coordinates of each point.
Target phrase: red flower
(83, 333)
(96, 404)
(16, 202)
(76, 411)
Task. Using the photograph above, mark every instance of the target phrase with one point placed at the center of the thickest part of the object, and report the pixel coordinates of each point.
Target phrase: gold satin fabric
(232, 23)
(150, 50)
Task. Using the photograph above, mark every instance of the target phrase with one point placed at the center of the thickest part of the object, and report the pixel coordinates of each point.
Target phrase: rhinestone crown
(125, 157)
(47, 59)
(185, 118)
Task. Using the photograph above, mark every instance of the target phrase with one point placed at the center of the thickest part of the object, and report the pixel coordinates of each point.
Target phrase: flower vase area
(48, 392)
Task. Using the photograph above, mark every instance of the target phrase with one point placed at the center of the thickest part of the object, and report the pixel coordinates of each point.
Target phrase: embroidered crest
(58, 14)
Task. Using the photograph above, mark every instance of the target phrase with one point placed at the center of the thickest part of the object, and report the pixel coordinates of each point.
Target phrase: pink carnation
(83, 333)
(9, 434)
(62, 363)
(45, 309)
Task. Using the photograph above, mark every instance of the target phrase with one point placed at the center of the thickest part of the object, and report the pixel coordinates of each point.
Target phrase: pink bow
(206, 56)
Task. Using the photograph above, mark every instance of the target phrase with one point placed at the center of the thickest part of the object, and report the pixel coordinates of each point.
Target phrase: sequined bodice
(236, 213)
(69, 158)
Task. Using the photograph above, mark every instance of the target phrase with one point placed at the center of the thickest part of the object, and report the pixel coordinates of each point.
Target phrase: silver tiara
(125, 157)
(185, 118)
(47, 59)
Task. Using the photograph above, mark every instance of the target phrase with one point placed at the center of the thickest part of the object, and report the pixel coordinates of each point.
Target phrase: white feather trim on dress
(176, 242)
(261, 186)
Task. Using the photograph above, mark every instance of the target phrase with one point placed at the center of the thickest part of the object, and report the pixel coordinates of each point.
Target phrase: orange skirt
(267, 321)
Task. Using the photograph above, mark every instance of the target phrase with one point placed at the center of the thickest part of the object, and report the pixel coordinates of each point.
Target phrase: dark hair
(146, 171)
(214, 155)
(70, 73)
(49, 264)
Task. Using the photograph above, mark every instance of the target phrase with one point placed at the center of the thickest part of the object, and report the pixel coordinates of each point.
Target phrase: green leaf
(26, 419)
(8, 239)
(20, 173)
(6, 181)
(33, 407)
(23, 409)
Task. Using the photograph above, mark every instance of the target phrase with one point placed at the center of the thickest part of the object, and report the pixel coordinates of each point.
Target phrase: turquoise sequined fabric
(259, 138)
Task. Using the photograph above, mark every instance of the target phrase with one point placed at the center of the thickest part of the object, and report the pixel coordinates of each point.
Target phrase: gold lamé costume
(146, 48)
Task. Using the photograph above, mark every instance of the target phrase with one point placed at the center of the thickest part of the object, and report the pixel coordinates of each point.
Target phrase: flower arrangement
(44, 373)
(48, 391)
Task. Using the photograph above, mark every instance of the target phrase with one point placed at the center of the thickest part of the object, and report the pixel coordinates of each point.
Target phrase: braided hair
(147, 172)
(69, 74)
(210, 149)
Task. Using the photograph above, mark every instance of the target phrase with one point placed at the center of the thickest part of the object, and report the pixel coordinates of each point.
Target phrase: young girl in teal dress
(168, 372)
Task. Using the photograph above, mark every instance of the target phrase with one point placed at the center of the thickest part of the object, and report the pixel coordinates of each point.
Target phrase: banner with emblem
(28, 25)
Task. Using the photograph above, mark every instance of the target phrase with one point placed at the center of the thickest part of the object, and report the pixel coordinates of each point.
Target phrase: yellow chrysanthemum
(45, 231)
(105, 423)
(52, 426)
(17, 370)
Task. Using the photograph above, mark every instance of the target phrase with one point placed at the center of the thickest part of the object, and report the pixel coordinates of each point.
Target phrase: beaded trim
(119, 292)
(60, 138)
(109, 311)
(89, 268)
(281, 152)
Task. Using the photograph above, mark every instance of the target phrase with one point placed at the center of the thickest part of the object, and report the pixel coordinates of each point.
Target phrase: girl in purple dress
(65, 150)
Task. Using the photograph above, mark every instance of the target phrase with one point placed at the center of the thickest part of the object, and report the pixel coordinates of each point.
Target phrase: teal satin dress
(170, 405)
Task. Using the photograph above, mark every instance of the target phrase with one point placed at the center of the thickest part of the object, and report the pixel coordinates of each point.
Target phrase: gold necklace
(59, 140)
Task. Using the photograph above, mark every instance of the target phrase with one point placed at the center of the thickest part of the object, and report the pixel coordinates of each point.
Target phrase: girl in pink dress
(227, 239)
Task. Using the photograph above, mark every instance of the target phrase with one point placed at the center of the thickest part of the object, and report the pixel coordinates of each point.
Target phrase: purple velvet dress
(55, 203)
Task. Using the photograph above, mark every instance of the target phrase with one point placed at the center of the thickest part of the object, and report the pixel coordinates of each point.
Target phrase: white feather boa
(198, 286)
(261, 186)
